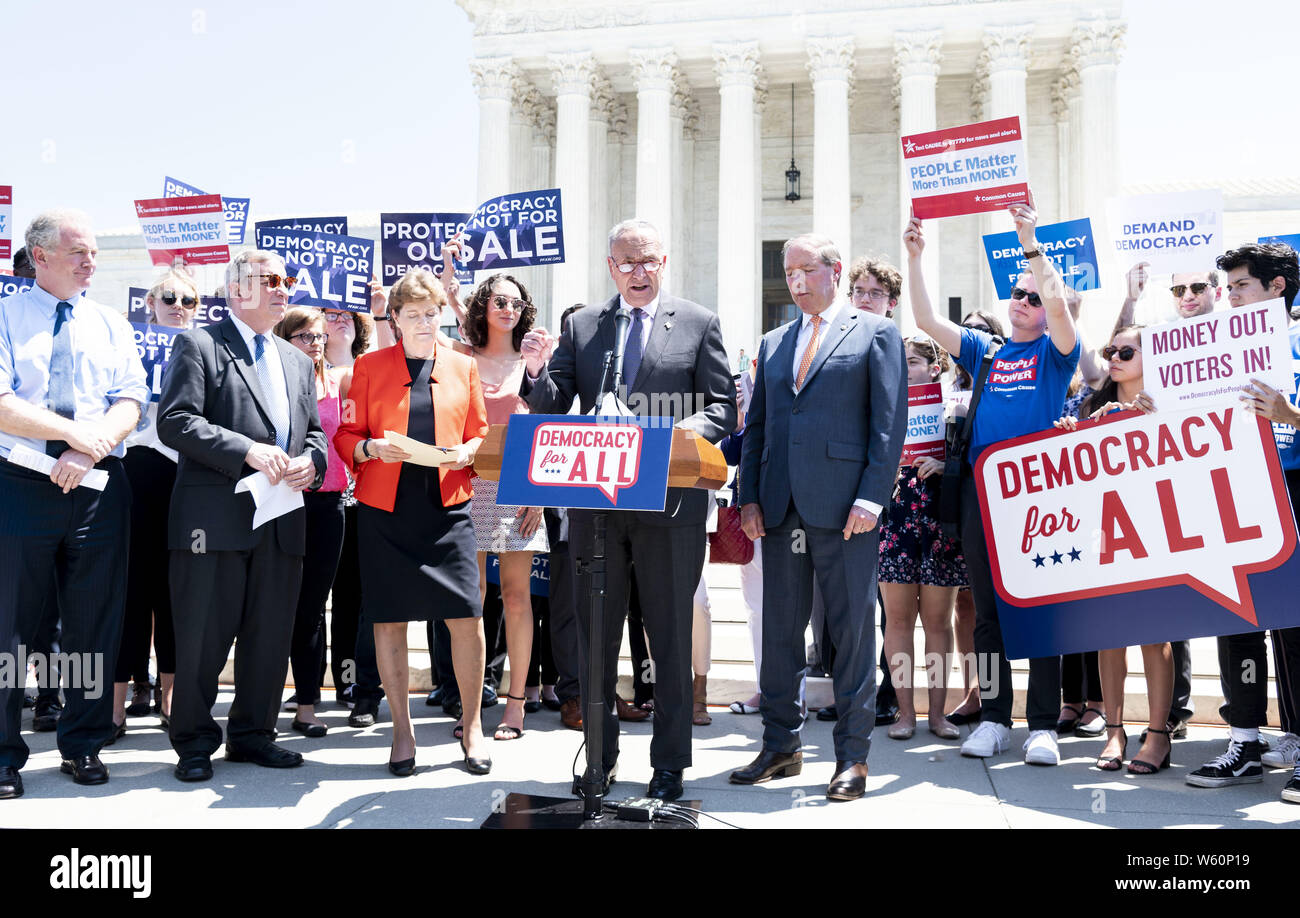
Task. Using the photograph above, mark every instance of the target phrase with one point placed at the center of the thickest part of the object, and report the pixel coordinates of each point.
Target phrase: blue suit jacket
(839, 438)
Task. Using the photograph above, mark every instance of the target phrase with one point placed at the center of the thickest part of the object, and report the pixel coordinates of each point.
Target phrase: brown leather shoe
(571, 714)
(630, 712)
(849, 783)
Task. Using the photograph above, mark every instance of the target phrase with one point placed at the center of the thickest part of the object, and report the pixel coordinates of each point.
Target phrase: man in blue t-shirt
(1024, 393)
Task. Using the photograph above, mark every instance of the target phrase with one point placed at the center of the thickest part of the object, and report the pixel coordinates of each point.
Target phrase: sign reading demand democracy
(414, 240)
(333, 271)
(191, 228)
(970, 169)
(1070, 245)
(514, 230)
(6, 221)
(1138, 529)
(1174, 232)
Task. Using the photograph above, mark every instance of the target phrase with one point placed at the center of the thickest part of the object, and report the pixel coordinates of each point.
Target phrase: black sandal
(1143, 767)
(1114, 762)
(505, 731)
(1064, 725)
(1094, 729)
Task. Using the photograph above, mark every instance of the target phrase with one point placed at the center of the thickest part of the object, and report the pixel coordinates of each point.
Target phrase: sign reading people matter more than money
(154, 345)
(1138, 529)
(1198, 363)
(595, 463)
(6, 221)
(415, 240)
(333, 271)
(925, 424)
(235, 209)
(1070, 245)
(192, 229)
(1179, 231)
(514, 230)
(971, 169)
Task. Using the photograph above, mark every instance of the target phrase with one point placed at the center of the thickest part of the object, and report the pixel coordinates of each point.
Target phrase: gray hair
(47, 228)
(824, 248)
(634, 225)
(259, 255)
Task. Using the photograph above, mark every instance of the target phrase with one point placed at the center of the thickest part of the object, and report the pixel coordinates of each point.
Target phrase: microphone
(622, 320)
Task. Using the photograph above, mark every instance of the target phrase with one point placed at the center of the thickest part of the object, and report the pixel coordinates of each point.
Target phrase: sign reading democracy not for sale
(514, 230)
(333, 271)
(236, 209)
(192, 229)
(1138, 529)
(970, 169)
(1181, 231)
(925, 425)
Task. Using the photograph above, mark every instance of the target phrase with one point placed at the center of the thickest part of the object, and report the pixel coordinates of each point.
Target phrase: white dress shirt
(274, 366)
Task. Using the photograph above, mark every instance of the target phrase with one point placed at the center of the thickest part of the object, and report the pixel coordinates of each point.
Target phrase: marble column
(602, 106)
(678, 264)
(737, 69)
(653, 75)
(916, 70)
(573, 75)
(523, 117)
(830, 65)
(1061, 115)
(493, 78)
(1096, 47)
(543, 176)
(1004, 61)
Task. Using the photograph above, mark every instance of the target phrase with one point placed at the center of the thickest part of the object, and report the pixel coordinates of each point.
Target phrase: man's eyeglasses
(308, 338)
(628, 267)
(272, 281)
(1125, 353)
(189, 302)
(1034, 299)
(876, 296)
(1179, 289)
(505, 302)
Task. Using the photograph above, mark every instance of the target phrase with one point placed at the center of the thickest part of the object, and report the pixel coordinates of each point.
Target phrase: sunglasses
(651, 267)
(983, 328)
(1125, 353)
(1034, 299)
(189, 302)
(1179, 289)
(505, 302)
(308, 338)
(275, 280)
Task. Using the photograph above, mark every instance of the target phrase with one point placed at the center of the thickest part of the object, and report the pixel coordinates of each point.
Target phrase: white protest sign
(1194, 364)
(925, 426)
(1181, 231)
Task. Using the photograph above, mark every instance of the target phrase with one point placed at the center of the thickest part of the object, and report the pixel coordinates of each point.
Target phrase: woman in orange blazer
(414, 532)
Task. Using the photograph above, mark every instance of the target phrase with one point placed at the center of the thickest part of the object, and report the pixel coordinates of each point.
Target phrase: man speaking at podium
(673, 363)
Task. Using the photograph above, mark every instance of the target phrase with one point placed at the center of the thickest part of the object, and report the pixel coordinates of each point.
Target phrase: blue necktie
(632, 352)
(61, 398)
(278, 420)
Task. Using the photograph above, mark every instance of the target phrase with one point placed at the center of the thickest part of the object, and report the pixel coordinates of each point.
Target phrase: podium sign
(591, 463)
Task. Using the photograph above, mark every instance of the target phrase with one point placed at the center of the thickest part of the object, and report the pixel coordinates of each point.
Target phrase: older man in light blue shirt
(71, 388)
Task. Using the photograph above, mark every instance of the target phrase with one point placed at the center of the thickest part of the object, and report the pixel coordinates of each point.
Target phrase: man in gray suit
(674, 364)
(236, 401)
(824, 433)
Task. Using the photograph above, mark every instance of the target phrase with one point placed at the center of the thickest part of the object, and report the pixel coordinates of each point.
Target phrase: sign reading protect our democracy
(970, 169)
(414, 240)
(1194, 364)
(154, 345)
(9, 285)
(333, 271)
(925, 425)
(1181, 231)
(336, 225)
(1070, 245)
(6, 221)
(514, 230)
(539, 580)
(191, 228)
(235, 209)
(212, 309)
(1138, 529)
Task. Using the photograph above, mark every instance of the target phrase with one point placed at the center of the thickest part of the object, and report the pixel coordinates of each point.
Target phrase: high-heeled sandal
(1114, 762)
(1089, 730)
(1143, 767)
(1064, 725)
(505, 731)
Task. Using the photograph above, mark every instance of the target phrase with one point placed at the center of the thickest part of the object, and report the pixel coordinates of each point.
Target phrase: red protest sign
(192, 229)
(925, 427)
(969, 169)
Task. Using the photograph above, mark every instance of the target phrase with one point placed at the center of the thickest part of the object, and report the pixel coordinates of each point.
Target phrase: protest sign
(336, 225)
(192, 229)
(1180, 231)
(539, 580)
(925, 425)
(1193, 364)
(333, 271)
(513, 230)
(9, 285)
(969, 169)
(212, 309)
(414, 240)
(1138, 529)
(1292, 240)
(235, 209)
(6, 221)
(1070, 245)
(154, 345)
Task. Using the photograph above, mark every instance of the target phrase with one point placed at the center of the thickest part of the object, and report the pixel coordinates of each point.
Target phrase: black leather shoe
(363, 713)
(194, 766)
(452, 707)
(46, 715)
(769, 765)
(886, 714)
(434, 698)
(611, 777)
(847, 783)
(268, 755)
(828, 713)
(403, 769)
(85, 769)
(665, 785)
(11, 783)
(311, 731)
(490, 698)
(475, 765)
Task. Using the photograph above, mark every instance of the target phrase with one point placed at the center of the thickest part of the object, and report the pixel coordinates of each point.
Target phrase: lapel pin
(667, 326)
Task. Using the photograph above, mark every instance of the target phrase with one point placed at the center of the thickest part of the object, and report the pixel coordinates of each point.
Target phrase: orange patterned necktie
(808, 352)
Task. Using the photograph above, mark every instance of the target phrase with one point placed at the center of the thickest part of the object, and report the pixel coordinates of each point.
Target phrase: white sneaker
(988, 739)
(1041, 749)
(1283, 754)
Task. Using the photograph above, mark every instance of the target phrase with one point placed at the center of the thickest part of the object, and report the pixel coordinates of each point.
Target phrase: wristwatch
(365, 448)
(1034, 254)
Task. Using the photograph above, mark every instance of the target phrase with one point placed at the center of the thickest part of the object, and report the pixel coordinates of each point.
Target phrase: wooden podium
(693, 463)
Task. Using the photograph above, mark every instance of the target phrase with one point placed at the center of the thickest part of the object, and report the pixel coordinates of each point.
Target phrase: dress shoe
(571, 714)
(403, 769)
(29, 701)
(291, 703)
(886, 714)
(828, 713)
(611, 777)
(630, 713)
(343, 697)
(434, 698)
(194, 766)
(769, 765)
(665, 785)
(309, 730)
(958, 719)
(473, 764)
(551, 704)
(139, 705)
(849, 782)
(268, 755)
(11, 783)
(85, 769)
(363, 713)
(46, 715)
(532, 706)
(490, 698)
(119, 731)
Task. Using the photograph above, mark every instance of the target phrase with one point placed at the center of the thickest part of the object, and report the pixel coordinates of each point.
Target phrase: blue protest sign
(1292, 240)
(336, 225)
(333, 271)
(154, 345)
(236, 209)
(1070, 245)
(212, 309)
(597, 463)
(175, 188)
(9, 285)
(525, 228)
(539, 581)
(414, 240)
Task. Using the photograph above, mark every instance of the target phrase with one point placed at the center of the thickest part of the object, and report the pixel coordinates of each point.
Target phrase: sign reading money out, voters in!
(970, 169)
(154, 345)
(6, 221)
(333, 271)
(414, 240)
(1070, 245)
(191, 228)
(236, 209)
(514, 230)
(211, 309)
(925, 424)
(1180, 231)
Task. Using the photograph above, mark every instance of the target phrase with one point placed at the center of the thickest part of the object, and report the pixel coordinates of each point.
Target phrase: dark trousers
(47, 640)
(564, 623)
(1043, 699)
(444, 672)
(148, 597)
(325, 524)
(669, 561)
(541, 663)
(218, 598)
(1181, 707)
(1080, 678)
(643, 671)
(345, 612)
(77, 543)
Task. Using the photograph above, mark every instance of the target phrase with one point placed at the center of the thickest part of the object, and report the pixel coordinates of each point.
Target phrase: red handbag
(730, 545)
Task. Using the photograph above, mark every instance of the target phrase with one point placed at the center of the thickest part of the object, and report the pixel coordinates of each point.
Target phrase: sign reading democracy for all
(212, 309)
(9, 285)
(336, 225)
(539, 580)
(1138, 529)
(1180, 231)
(925, 425)
(514, 230)
(1193, 364)
(970, 169)
(1292, 240)
(154, 345)
(1070, 245)
(333, 271)
(597, 463)
(192, 229)
(6, 221)
(235, 209)
(414, 240)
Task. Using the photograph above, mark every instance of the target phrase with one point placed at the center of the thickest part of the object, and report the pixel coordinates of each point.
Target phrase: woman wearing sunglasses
(173, 302)
(1123, 390)
(305, 329)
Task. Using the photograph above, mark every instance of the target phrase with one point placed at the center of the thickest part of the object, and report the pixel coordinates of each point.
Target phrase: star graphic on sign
(1056, 557)
(909, 146)
(1038, 560)
(1074, 554)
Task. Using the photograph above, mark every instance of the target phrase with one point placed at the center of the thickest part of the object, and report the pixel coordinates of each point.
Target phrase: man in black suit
(674, 364)
(236, 401)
